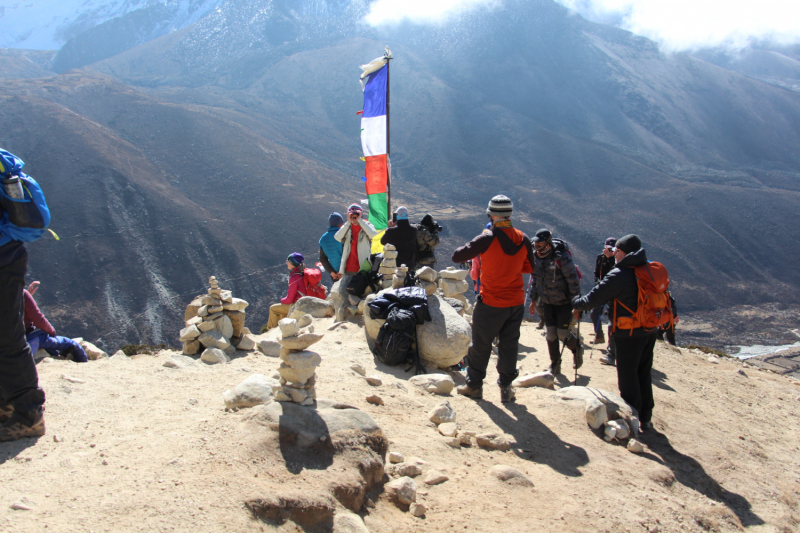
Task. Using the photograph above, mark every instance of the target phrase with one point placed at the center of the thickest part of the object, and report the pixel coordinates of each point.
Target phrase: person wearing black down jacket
(634, 347)
(404, 238)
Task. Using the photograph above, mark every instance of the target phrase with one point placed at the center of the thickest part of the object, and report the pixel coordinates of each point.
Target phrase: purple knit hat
(296, 258)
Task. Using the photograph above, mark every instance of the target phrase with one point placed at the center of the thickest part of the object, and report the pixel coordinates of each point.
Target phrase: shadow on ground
(10, 450)
(531, 434)
(690, 473)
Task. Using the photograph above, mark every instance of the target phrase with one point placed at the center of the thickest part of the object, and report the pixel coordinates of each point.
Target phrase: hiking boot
(540, 325)
(607, 360)
(475, 392)
(17, 427)
(599, 338)
(5, 412)
(507, 394)
(555, 367)
(646, 426)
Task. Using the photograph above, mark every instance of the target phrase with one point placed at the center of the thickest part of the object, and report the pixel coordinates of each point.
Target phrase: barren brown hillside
(134, 446)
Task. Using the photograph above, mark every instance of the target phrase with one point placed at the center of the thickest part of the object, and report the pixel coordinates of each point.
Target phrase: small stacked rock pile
(389, 267)
(298, 367)
(216, 320)
(453, 284)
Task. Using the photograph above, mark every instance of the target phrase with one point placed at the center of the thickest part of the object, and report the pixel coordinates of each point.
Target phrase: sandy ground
(147, 448)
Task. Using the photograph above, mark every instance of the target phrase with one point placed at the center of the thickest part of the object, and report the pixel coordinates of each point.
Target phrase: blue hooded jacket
(332, 247)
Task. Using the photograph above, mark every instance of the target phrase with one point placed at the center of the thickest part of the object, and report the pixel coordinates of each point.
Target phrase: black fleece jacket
(619, 284)
(404, 238)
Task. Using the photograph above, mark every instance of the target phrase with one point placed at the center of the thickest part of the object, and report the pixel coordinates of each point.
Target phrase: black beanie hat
(629, 243)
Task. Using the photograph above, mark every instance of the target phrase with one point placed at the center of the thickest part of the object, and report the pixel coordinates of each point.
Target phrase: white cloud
(421, 11)
(694, 24)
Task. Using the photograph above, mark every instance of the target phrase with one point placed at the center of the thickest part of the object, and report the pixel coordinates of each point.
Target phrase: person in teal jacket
(330, 250)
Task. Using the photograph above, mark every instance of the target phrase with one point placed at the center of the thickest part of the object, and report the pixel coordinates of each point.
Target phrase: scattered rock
(540, 379)
(58, 438)
(510, 475)
(493, 441)
(358, 369)
(406, 469)
(314, 306)
(621, 428)
(713, 359)
(288, 327)
(246, 344)
(270, 347)
(434, 383)
(305, 320)
(214, 355)
(616, 407)
(741, 372)
(19, 506)
(442, 413)
(417, 509)
(434, 477)
(453, 442)
(347, 522)
(635, 446)
(596, 414)
(255, 390)
(448, 429)
(402, 490)
(375, 399)
(92, 351)
(180, 361)
(375, 381)
(395, 457)
(71, 379)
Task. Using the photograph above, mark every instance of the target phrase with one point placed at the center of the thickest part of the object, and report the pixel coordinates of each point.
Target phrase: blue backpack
(25, 215)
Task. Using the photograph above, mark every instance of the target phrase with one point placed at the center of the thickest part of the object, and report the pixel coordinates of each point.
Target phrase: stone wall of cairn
(298, 366)
(216, 320)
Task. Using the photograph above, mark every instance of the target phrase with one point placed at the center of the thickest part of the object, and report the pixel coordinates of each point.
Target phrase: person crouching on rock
(297, 289)
(634, 347)
(356, 235)
(506, 254)
(41, 334)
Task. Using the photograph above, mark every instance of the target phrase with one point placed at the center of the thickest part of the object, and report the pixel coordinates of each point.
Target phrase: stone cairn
(389, 268)
(450, 282)
(298, 367)
(216, 321)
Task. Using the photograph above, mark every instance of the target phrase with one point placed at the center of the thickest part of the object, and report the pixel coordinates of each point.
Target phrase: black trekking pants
(19, 380)
(487, 323)
(634, 363)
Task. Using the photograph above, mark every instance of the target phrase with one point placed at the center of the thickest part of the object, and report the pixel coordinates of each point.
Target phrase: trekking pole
(579, 347)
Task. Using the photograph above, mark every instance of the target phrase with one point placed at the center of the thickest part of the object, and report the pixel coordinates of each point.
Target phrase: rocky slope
(135, 446)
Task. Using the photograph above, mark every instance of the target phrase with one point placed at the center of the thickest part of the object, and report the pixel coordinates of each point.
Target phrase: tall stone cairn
(389, 266)
(298, 368)
(216, 320)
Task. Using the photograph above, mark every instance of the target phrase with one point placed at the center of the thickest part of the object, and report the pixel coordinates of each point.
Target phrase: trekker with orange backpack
(636, 293)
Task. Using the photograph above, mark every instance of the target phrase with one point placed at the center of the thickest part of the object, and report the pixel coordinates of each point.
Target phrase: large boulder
(443, 342)
(314, 306)
(255, 390)
(616, 407)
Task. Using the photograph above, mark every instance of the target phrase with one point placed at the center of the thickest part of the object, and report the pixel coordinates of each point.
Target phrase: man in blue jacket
(330, 250)
(21, 398)
(634, 347)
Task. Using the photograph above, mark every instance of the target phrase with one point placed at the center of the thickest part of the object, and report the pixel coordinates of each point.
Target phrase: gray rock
(302, 360)
(92, 351)
(315, 307)
(417, 509)
(236, 304)
(237, 319)
(442, 413)
(434, 383)
(539, 379)
(300, 342)
(255, 390)
(596, 414)
(189, 333)
(493, 441)
(180, 361)
(405, 469)
(616, 407)
(347, 522)
(635, 446)
(621, 428)
(293, 375)
(192, 348)
(402, 490)
(395, 457)
(206, 325)
(270, 347)
(288, 327)
(224, 325)
(375, 381)
(427, 274)
(510, 475)
(214, 339)
(305, 320)
(741, 372)
(194, 321)
(246, 344)
(448, 429)
(456, 304)
(453, 273)
(434, 477)
(443, 341)
(214, 355)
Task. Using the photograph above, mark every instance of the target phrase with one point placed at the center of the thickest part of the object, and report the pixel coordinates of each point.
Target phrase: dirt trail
(146, 448)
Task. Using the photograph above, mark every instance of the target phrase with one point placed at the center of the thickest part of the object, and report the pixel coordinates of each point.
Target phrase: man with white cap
(506, 254)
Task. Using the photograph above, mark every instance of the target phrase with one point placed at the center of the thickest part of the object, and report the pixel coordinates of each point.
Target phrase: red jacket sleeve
(34, 317)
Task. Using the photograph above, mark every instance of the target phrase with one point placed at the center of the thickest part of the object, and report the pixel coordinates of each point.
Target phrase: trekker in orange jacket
(505, 254)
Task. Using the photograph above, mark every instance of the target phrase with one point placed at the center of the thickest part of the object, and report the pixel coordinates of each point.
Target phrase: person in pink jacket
(297, 289)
